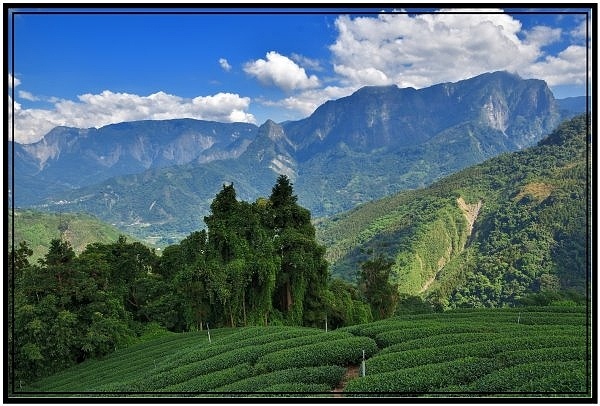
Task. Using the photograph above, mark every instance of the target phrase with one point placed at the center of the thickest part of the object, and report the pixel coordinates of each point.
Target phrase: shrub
(486, 349)
(152, 382)
(249, 336)
(510, 358)
(424, 378)
(328, 375)
(339, 352)
(204, 383)
(567, 381)
(527, 375)
(297, 387)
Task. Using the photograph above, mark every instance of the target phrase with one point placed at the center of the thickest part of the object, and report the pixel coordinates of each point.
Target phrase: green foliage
(340, 352)
(374, 282)
(528, 375)
(328, 375)
(527, 210)
(424, 378)
(295, 387)
(497, 354)
(344, 306)
(206, 382)
(38, 229)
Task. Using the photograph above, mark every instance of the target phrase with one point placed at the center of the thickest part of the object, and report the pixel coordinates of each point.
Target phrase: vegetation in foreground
(257, 264)
(535, 351)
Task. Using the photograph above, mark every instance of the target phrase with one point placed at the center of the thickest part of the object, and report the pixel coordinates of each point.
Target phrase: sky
(84, 69)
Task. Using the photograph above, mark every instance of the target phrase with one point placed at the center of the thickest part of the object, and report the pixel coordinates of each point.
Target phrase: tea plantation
(533, 351)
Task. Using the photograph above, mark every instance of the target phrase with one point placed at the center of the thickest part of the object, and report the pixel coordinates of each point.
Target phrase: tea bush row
(485, 349)
(206, 382)
(455, 338)
(282, 388)
(328, 375)
(184, 372)
(261, 335)
(573, 353)
(118, 366)
(339, 352)
(200, 363)
(390, 338)
(255, 331)
(525, 375)
(570, 382)
(423, 378)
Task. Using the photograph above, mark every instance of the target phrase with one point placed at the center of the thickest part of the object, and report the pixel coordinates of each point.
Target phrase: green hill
(482, 352)
(39, 228)
(486, 236)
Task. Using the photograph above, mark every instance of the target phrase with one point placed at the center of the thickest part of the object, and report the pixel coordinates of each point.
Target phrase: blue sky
(89, 70)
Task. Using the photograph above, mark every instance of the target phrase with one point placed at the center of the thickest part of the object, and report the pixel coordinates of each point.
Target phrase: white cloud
(282, 72)
(541, 36)
(580, 32)
(425, 49)
(566, 68)
(96, 110)
(307, 101)
(225, 64)
(309, 63)
(28, 96)
(17, 82)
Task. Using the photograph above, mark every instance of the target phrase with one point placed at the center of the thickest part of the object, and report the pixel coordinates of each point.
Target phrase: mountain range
(157, 178)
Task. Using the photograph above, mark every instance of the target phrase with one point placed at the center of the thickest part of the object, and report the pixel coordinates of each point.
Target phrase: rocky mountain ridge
(375, 142)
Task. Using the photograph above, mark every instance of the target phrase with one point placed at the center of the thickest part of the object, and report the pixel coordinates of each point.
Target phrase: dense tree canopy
(255, 264)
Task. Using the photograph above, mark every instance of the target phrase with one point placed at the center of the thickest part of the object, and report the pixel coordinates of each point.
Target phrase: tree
(302, 277)
(379, 292)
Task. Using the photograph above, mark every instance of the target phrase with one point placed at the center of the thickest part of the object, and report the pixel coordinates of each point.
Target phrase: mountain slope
(487, 235)
(378, 141)
(70, 158)
(38, 229)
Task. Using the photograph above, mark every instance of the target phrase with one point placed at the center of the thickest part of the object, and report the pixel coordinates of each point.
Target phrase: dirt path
(351, 372)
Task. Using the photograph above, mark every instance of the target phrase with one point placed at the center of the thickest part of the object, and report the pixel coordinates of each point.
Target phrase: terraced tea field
(535, 351)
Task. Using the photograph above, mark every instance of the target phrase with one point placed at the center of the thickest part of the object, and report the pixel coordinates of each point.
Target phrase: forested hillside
(255, 264)
(39, 228)
(489, 235)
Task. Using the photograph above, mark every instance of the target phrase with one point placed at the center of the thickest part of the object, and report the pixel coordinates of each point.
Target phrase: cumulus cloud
(580, 32)
(419, 50)
(28, 96)
(11, 78)
(282, 72)
(566, 68)
(423, 49)
(541, 36)
(307, 101)
(225, 64)
(96, 110)
(310, 63)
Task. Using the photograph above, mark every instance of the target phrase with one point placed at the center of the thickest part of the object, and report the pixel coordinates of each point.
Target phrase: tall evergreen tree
(303, 272)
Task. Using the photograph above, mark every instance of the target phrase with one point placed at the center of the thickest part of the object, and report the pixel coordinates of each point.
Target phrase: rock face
(72, 157)
(375, 142)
